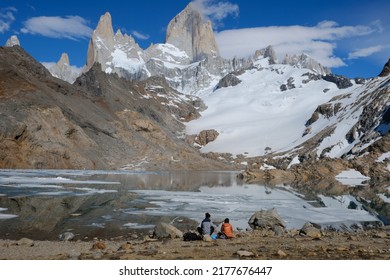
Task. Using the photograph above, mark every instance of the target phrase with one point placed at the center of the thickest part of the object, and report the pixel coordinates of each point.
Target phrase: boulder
(164, 230)
(206, 136)
(311, 230)
(25, 241)
(267, 219)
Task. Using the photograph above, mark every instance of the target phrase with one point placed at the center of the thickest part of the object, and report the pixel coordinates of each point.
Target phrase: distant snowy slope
(266, 112)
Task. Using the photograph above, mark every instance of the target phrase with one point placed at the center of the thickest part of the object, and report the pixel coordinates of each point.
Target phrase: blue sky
(351, 37)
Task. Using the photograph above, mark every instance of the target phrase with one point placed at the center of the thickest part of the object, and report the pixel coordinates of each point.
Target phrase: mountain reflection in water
(42, 204)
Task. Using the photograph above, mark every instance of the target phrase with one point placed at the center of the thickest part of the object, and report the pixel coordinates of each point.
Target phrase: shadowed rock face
(230, 80)
(386, 70)
(101, 121)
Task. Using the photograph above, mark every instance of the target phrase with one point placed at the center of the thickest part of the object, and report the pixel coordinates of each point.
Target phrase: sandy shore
(371, 244)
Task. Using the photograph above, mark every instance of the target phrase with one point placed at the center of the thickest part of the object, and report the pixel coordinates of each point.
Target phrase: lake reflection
(46, 203)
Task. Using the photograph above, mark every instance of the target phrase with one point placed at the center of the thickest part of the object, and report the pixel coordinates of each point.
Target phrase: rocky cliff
(189, 32)
(102, 121)
(116, 53)
(305, 61)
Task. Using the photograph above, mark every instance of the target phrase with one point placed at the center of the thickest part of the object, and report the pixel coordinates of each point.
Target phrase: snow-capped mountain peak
(305, 61)
(116, 53)
(63, 70)
(12, 41)
(189, 59)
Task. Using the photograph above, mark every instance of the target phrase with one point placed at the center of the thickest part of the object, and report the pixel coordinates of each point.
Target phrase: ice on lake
(103, 195)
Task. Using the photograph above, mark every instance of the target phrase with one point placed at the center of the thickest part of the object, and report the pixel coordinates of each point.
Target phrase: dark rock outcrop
(386, 70)
(327, 110)
(340, 81)
(230, 80)
(290, 84)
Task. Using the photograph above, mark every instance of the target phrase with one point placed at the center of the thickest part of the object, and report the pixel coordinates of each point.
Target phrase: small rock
(380, 234)
(67, 236)
(282, 254)
(152, 250)
(134, 236)
(341, 249)
(312, 254)
(125, 247)
(99, 246)
(96, 256)
(207, 238)
(243, 253)
(25, 241)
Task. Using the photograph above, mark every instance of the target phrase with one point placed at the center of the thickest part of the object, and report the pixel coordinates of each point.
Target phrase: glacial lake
(45, 203)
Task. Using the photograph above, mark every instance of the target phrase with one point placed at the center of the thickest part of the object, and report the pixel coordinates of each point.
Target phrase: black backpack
(191, 236)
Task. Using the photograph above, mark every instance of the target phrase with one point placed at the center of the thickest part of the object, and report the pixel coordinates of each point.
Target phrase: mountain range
(180, 105)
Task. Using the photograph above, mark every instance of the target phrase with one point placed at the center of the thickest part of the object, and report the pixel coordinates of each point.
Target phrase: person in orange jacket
(226, 230)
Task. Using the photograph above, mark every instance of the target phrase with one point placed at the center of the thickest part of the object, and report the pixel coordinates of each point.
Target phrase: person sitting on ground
(206, 227)
(226, 230)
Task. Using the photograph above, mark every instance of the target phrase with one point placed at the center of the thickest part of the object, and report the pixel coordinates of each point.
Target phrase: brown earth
(370, 244)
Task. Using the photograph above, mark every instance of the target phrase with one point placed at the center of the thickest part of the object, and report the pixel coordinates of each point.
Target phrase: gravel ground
(372, 244)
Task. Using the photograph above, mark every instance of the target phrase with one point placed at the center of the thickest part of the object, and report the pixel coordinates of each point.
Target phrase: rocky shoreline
(371, 244)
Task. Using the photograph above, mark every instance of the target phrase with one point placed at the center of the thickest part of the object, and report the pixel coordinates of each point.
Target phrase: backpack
(191, 236)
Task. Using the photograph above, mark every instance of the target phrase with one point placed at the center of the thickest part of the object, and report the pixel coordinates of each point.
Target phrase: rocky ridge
(102, 121)
(63, 69)
(189, 59)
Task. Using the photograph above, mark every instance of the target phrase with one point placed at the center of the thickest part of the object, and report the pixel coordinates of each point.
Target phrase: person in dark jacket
(207, 227)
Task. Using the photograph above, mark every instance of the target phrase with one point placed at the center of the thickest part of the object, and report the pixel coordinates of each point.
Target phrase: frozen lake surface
(59, 200)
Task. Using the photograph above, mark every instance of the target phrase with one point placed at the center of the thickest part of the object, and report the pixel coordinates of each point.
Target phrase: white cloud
(364, 52)
(6, 18)
(70, 27)
(216, 12)
(319, 41)
(139, 35)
